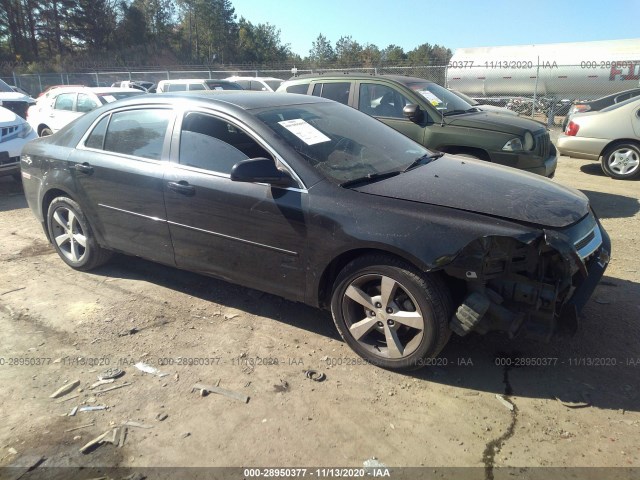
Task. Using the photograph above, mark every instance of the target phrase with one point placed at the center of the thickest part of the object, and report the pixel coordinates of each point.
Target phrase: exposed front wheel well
(332, 271)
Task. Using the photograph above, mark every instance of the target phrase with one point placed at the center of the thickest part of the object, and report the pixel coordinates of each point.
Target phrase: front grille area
(17, 107)
(580, 244)
(542, 143)
(9, 160)
(589, 244)
(7, 133)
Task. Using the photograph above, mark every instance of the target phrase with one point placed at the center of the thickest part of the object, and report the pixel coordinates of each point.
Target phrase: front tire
(389, 313)
(45, 132)
(622, 161)
(72, 236)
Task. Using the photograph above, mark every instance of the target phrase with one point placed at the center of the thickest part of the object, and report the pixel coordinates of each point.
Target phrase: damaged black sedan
(314, 201)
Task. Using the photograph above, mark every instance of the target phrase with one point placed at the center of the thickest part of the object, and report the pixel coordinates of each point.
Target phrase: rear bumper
(581, 147)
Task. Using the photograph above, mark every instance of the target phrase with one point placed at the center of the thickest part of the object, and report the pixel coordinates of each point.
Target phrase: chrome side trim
(155, 219)
(241, 240)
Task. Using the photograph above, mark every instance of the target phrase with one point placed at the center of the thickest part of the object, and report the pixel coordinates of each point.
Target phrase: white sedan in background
(14, 134)
(65, 104)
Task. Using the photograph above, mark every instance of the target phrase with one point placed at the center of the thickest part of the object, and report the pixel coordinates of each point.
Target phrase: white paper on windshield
(305, 132)
(431, 97)
(109, 98)
(218, 88)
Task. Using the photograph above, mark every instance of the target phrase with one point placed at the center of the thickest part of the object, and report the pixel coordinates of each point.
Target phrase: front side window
(140, 133)
(442, 99)
(213, 144)
(64, 101)
(96, 137)
(85, 103)
(381, 101)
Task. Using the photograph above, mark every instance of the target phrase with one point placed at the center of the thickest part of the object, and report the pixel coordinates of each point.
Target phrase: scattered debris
(99, 440)
(283, 387)
(575, 403)
(161, 417)
(130, 423)
(62, 400)
(115, 387)
(471, 394)
(14, 290)
(12, 451)
(143, 367)
(315, 375)
(115, 436)
(73, 411)
(231, 317)
(111, 374)
(122, 435)
(205, 389)
(565, 434)
(101, 382)
(80, 427)
(129, 331)
(69, 387)
(185, 435)
(373, 462)
(92, 408)
(505, 402)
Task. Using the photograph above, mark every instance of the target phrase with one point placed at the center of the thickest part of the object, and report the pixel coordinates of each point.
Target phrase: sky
(449, 23)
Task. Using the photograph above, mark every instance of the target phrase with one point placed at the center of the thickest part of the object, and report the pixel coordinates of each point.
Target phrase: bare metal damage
(524, 285)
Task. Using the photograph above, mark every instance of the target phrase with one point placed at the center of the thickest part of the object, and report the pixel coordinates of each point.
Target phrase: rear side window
(176, 87)
(196, 86)
(138, 132)
(338, 92)
(299, 88)
(85, 103)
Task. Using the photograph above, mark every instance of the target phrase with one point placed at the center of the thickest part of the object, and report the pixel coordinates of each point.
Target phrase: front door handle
(182, 187)
(84, 168)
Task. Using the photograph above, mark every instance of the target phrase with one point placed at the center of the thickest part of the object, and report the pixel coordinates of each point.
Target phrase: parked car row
(320, 203)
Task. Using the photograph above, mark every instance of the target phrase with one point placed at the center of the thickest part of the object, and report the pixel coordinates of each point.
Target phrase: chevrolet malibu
(319, 203)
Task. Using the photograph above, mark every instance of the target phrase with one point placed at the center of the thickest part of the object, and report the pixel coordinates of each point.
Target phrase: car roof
(232, 78)
(404, 79)
(244, 99)
(96, 90)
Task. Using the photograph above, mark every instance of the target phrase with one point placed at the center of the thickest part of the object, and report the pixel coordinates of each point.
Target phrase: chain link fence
(541, 92)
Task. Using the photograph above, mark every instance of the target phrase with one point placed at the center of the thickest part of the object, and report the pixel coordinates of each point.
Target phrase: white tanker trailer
(583, 70)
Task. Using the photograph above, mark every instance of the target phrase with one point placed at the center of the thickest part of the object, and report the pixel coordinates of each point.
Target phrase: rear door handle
(84, 168)
(182, 187)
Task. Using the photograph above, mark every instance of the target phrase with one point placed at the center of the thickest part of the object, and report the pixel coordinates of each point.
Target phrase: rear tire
(72, 236)
(622, 161)
(389, 313)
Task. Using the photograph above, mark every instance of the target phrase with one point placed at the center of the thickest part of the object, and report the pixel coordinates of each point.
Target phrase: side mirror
(260, 170)
(413, 112)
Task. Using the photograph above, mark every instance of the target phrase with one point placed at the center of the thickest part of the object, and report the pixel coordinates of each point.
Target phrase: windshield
(340, 142)
(466, 98)
(112, 97)
(4, 87)
(442, 99)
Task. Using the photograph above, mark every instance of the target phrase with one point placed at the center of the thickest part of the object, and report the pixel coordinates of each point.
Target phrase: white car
(17, 102)
(264, 84)
(65, 104)
(14, 134)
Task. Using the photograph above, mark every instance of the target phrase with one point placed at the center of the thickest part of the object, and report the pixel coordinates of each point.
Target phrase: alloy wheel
(69, 235)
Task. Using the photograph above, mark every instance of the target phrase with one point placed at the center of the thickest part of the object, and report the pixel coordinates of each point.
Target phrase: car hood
(14, 97)
(477, 186)
(493, 121)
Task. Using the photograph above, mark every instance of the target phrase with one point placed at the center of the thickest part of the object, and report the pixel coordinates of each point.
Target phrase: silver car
(612, 135)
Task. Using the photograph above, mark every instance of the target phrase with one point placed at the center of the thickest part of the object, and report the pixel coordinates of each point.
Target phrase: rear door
(63, 111)
(251, 234)
(118, 169)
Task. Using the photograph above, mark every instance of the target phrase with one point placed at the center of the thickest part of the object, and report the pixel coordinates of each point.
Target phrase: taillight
(581, 108)
(572, 129)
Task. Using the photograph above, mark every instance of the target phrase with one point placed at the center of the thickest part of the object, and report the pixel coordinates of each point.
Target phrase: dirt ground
(59, 325)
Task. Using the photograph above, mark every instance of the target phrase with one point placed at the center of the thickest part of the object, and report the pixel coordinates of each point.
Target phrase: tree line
(58, 35)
